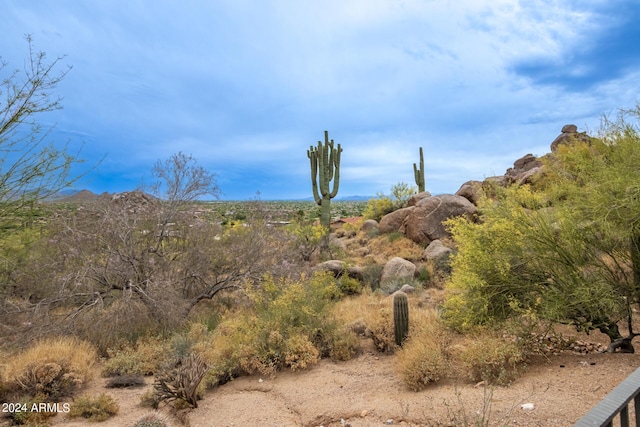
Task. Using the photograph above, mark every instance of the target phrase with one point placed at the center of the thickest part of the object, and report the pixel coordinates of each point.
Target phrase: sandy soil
(367, 392)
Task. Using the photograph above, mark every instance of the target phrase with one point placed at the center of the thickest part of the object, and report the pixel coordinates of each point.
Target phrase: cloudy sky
(245, 87)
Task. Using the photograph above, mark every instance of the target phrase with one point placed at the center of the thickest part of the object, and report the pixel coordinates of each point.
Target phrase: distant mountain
(342, 199)
(81, 196)
(354, 198)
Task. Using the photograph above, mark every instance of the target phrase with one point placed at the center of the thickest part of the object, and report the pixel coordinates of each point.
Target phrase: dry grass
(54, 367)
(424, 358)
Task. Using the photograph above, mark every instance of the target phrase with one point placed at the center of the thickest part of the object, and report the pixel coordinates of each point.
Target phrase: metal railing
(616, 403)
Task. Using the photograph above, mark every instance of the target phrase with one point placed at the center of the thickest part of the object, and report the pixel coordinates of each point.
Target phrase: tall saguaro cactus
(419, 173)
(325, 165)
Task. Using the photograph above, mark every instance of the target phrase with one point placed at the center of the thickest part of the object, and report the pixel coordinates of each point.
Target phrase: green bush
(144, 359)
(94, 409)
(289, 326)
(378, 207)
(491, 358)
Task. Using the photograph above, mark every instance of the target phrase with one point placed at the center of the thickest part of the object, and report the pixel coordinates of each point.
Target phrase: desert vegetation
(157, 283)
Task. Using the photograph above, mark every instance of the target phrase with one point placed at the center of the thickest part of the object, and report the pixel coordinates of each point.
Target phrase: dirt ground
(366, 391)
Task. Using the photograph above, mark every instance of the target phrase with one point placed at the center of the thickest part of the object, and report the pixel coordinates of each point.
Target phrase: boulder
(397, 269)
(424, 223)
(413, 200)
(529, 176)
(436, 250)
(370, 225)
(335, 266)
(394, 221)
(338, 268)
(469, 190)
(522, 168)
(569, 134)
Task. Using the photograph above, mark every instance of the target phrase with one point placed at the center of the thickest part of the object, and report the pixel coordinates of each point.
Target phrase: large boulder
(397, 269)
(413, 200)
(424, 223)
(568, 135)
(470, 190)
(394, 221)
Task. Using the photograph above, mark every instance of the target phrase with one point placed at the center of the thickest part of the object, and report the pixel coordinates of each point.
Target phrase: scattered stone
(364, 413)
(389, 422)
(528, 406)
(436, 250)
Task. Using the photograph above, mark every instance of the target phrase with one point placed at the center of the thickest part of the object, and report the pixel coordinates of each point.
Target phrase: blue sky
(245, 87)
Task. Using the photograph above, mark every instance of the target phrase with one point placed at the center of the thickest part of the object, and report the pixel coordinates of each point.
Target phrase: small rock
(527, 406)
(407, 289)
(260, 380)
(389, 422)
(364, 413)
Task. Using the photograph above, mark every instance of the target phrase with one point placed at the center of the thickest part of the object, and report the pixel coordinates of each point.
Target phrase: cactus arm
(419, 173)
(336, 181)
(313, 158)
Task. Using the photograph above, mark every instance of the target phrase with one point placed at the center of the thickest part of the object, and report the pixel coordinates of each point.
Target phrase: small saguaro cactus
(325, 164)
(419, 173)
(400, 316)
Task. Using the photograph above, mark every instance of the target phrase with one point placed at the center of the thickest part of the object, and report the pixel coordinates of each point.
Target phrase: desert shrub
(287, 326)
(94, 409)
(378, 207)
(489, 357)
(121, 323)
(54, 367)
(23, 415)
(372, 274)
(424, 359)
(144, 359)
(125, 381)
(395, 235)
(380, 330)
(349, 285)
(306, 238)
(179, 381)
(151, 420)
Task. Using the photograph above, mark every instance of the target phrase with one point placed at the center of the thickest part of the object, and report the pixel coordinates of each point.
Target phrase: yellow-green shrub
(288, 326)
(94, 409)
(378, 207)
(144, 359)
(489, 357)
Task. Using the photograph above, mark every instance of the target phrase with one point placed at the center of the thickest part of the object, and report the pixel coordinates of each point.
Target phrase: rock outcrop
(569, 134)
(425, 221)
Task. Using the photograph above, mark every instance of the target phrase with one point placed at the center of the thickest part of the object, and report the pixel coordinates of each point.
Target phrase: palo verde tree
(563, 251)
(31, 169)
(325, 167)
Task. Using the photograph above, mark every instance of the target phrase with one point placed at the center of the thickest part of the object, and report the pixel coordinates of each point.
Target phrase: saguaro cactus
(419, 173)
(325, 165)
(400, 316)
